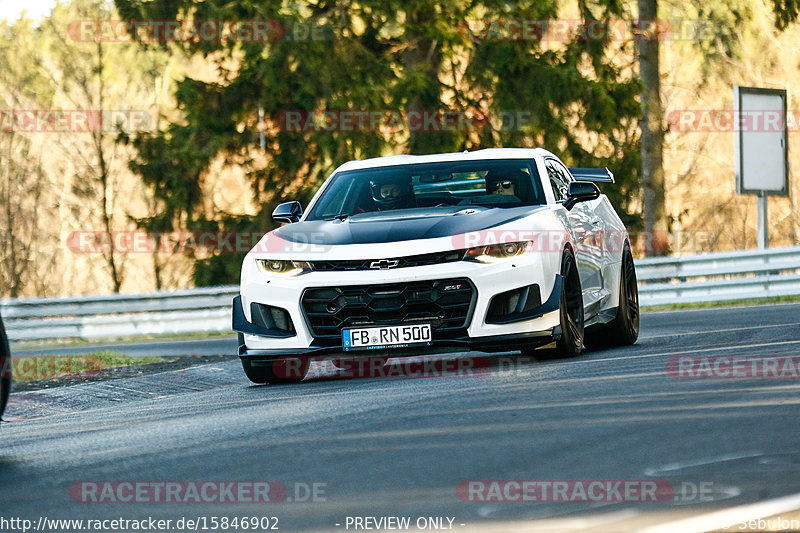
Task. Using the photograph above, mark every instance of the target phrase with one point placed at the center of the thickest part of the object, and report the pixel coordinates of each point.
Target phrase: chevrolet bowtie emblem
(384, 264)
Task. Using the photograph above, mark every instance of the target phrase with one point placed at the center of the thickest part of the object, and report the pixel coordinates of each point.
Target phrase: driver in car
(393, 193)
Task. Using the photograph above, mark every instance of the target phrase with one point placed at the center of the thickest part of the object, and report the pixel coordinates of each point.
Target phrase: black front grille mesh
(408, 261)
(445, 304)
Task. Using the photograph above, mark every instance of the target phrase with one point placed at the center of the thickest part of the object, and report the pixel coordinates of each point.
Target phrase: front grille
(408, 261)
(445, 304)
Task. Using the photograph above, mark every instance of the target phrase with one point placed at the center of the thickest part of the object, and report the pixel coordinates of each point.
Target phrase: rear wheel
(570, 340)
(624, 329)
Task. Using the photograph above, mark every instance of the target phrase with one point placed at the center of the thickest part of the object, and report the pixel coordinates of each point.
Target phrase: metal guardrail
(713, 277)
(121, 315)
(719, 277)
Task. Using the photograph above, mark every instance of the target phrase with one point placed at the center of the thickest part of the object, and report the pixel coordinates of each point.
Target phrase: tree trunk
(105, 185)
(655, 221)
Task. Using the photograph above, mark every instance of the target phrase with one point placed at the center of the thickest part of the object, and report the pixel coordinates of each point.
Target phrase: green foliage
(380, 55)
(786, 12)
(225, 268)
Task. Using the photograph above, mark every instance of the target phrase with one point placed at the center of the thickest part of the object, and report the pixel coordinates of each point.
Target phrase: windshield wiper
(340, 218)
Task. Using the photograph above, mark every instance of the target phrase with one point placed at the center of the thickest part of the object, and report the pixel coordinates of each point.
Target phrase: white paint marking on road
(728, 517)
(629, 410)
(671, 467)
(558, 523)
(695, 350)
(590, 523)
(718, 331)
(486, 511)
(720, 308)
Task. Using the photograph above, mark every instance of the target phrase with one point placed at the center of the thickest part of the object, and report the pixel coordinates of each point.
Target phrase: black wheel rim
(631, 295)
(574, 302)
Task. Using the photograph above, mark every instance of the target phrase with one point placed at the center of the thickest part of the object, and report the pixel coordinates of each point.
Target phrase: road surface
(407, 447)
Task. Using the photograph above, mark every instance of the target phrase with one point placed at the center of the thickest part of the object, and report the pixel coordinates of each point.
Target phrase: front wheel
(569, 342)
(571, 310)
(281, 370)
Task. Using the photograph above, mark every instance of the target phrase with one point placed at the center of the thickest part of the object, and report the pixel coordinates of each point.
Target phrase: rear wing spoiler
(601, 175)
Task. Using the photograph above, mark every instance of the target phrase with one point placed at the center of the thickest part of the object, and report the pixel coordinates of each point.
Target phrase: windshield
(501, 184)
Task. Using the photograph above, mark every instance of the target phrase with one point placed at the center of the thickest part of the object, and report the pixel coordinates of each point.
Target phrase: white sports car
(493, 250)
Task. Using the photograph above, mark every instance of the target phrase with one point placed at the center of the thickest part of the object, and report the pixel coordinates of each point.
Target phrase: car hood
(405, 225)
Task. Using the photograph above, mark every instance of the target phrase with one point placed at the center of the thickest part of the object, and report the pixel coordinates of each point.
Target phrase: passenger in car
(503, 183)
(504, 187)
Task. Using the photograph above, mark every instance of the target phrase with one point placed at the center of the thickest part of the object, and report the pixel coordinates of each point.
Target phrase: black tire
(570, 341)
(5, 369)
(624, 329)
(283, 370)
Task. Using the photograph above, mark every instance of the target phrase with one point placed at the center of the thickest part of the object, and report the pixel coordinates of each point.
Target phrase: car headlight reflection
(283, 267)
(498, 252)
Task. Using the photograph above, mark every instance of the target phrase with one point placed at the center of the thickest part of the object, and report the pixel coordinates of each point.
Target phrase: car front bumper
(484, 329)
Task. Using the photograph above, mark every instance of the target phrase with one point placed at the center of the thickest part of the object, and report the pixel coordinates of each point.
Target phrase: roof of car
(488, 153)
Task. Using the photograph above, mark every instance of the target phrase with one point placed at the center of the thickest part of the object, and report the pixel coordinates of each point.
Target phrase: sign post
(761, 151)
(763, 224)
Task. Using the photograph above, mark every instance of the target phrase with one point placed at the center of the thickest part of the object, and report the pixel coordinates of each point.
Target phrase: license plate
(386, 337)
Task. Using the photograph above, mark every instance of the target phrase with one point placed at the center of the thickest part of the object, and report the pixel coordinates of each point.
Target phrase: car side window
(566, 173)
(568, 178)
(558, 180)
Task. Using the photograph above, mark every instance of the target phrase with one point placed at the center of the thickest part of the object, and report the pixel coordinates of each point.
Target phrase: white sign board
(761, 149)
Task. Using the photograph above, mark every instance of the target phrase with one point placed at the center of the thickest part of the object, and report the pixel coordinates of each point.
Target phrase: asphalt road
(382, 447)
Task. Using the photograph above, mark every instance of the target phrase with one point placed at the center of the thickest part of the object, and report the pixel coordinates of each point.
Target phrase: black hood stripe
(371, 228)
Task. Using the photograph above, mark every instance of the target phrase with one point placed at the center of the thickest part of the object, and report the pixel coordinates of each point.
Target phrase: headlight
(498, 252)
(282, 267)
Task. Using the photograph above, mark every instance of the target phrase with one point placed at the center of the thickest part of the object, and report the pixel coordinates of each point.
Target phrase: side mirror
(288, 212)
(581, 191)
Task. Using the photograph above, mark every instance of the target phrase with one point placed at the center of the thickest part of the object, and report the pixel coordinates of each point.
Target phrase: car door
(586, 228)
